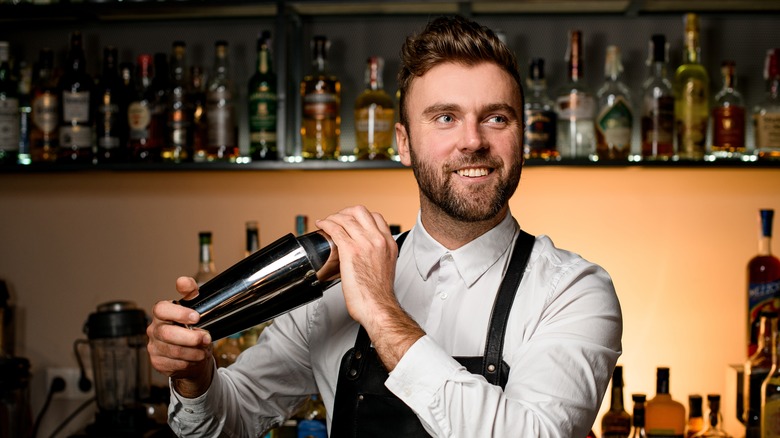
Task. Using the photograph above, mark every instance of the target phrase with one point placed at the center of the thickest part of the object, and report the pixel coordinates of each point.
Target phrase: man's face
(464, 140)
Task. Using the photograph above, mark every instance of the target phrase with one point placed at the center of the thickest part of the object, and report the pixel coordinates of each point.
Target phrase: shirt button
(444, 295)
(188, 410)
(407, 392)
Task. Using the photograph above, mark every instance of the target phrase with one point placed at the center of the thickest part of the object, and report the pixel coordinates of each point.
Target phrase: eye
(498, 119)
(445, 118)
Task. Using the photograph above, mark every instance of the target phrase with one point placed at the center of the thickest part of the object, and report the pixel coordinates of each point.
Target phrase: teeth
(471, 173)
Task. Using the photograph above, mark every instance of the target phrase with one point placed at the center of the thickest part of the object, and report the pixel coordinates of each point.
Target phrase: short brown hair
(452, 39)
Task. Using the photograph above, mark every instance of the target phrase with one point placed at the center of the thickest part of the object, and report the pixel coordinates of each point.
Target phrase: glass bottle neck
(263, 61)
(616, 404)
(692, 52)
(773, 87)
(765, 245)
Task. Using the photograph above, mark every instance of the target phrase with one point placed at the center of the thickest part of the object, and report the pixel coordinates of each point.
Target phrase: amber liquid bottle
(44, 137)
(76, 89)
(616, 423)
(728, 117)
(321, 101)
(692, 88)
(178, 144)
(638, 419)
(220, 112)
(142, 143)
(763, 272)
(374, 116)
(664, 416)
(695, 416)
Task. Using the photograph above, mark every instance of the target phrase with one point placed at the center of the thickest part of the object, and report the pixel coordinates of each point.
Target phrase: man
(473, 328)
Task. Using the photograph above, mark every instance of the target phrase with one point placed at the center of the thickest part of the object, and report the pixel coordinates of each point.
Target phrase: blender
(122, 370)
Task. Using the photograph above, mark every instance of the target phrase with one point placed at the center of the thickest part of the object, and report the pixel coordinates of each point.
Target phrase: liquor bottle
(321, 102)
(692, 85)
(44, 137)
(714, 425)
(111, 111)
(9, 109)
(657, 104)
(695, 416)
(374, 116)
(227, 350)
(616, 423)
(220, 112)
(576, 107)
(763, 275)
(196, 96)
(311, 423)
(615, 119)
(638, 419)
(76, 93)
(664, 416)
(25, 113)
(756, 370)
(766, 115)
(728, 117)
(263, 104)
(540, 117)
(301, 224)
(178, 145)
(159, 92)
(770, 395)
(252, 238)
(206, 267)
(141, 143)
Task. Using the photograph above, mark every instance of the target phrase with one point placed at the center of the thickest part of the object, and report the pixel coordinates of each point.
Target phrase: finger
(187, 286)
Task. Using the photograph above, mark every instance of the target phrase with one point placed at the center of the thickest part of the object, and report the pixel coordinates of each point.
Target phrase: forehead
(461, 84)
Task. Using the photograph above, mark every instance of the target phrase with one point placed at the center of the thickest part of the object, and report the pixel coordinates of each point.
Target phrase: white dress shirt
(562, 342)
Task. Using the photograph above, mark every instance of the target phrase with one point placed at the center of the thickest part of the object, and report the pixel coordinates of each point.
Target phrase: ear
(402, 140)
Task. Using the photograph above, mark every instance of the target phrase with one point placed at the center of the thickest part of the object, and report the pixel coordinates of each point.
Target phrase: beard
(472, 204)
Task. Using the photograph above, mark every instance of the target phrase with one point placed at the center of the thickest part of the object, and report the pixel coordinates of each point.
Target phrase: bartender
(466, 326)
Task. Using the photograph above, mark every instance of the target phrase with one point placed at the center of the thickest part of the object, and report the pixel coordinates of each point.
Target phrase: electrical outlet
(71, 377)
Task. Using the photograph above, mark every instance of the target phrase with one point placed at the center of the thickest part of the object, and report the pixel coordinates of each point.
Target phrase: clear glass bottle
(616, 422)
(757, 368)
(263, 102)
(770, 395)
(25, 113)
(695, 416)
(178, 145)
(657, 124)
(728, 117)
(196, 96)
(206, 267)
(220, 111)
(111, 116)
(576, 107)
(44, 136)
(766, 115)
(321, 102)
(374, 116)
(638, 418)
(664, 415)
(714, 425)
(763, 274)
(540, 118)
(692, 90)
(159, 95)
(615, 119)
(76, 89)
(9, 109)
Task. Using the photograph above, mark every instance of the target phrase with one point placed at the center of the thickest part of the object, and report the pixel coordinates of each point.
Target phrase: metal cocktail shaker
(286, 274)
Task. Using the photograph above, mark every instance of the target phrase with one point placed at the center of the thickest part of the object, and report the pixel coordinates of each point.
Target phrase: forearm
(392, 334)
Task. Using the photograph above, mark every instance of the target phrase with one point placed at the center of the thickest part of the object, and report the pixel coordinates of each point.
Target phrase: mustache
(481, 159)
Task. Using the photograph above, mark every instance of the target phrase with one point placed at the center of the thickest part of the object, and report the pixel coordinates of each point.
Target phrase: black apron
(364, 407)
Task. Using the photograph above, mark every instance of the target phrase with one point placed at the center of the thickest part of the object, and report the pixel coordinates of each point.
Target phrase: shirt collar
(472, 259)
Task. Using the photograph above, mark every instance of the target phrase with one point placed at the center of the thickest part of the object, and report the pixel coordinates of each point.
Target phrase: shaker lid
(114, 320)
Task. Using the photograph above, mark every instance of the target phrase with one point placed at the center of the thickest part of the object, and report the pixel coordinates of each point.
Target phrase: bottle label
(540, 129)
(262, 117)
(75, 136)
(767, 130)
(44, 112)
(658, 122)
(761, 297)
(75, 106)
(728, 128)
(108, 115)
(139, 117)
(9, 124)
(692, 113)
(219, 118)
(576, 106)
(614, 123)
(320, 106)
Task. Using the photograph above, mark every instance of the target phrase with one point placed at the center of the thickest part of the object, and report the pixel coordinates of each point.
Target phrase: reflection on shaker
(286, 274)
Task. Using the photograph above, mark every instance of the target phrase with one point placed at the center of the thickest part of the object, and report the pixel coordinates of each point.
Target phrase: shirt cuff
(421, 373)
(194, 409)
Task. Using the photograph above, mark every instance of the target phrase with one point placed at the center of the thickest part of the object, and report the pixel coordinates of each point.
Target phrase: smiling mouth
(473, 172)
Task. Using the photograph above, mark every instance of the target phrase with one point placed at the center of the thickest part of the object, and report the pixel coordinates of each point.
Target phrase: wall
(676, 242)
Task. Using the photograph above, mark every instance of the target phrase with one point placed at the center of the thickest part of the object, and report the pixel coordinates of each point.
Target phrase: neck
(454, 233)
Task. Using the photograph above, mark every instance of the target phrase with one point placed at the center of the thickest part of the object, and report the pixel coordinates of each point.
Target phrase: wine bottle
(76, 93)
(763, 278)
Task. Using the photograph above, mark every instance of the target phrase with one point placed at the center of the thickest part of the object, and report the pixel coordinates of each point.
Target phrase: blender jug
(117, 342)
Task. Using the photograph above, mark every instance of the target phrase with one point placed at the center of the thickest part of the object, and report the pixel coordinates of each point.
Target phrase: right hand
(183, 354)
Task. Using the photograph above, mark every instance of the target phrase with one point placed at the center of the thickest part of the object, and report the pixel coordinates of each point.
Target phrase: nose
(473, 138)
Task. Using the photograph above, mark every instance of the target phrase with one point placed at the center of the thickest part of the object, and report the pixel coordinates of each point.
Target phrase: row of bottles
(160, 110)
(675, 117)
(660, 416)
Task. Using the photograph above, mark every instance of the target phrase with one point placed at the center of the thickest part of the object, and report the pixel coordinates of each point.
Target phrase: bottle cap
(694, 405)
(638, 398)
(617, 376)
(658, 48)
(536, 69)
(767, 215)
